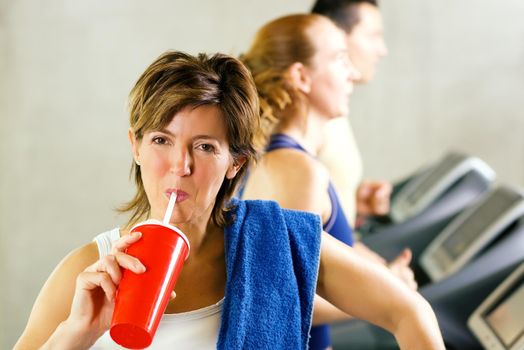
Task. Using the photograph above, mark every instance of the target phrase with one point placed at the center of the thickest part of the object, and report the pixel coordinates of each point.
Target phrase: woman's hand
(400, 268)
(75, 306)
(93, 301)
(96, 286)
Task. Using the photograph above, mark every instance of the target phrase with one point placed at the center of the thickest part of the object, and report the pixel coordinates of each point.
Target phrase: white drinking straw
(169, 210)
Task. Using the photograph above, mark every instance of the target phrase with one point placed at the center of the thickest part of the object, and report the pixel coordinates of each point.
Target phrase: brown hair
(177, 80)
(276, 46)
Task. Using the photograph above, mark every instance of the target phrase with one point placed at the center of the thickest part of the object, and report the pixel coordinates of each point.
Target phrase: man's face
(366, 42)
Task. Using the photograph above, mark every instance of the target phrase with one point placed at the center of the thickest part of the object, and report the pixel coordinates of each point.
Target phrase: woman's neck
(202, 280)
(201, 234)
(308, 131)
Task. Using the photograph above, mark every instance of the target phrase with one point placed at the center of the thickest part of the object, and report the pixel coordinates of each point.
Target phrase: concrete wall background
(454, 79)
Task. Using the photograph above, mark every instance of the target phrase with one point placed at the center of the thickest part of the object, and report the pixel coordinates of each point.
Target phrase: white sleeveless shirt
(196, 329)
(345, 168)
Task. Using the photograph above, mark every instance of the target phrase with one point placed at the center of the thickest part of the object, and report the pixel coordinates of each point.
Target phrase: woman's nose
(354, 73)
(181, 164)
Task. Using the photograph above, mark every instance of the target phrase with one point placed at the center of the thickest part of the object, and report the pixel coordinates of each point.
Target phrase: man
(362, 22)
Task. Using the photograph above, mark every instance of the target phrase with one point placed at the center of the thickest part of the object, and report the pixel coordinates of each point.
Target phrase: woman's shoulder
(60, 284)
(80, 258)
(288, 159)
(291, 169)
(292, 178)
(87, 254)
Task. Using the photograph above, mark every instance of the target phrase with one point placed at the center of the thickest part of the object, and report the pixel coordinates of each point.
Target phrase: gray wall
(454, 80)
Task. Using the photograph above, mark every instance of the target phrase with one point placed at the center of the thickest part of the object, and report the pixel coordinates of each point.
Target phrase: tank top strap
(336, 224)
(105, 240)
(334, 208)
(278, 141)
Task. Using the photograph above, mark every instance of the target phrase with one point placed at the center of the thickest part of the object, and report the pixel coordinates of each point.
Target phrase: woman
(304, 77)
(251, 276)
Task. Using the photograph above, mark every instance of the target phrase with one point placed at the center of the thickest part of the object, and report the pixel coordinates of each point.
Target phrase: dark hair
(177, 80)
(344, 13)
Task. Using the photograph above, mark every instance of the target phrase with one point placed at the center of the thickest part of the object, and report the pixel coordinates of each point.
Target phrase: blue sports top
(337, 226)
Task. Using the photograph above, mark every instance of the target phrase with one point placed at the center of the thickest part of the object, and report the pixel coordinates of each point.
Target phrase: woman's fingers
(129, 262)
(400, 268)
(106, 273)
(118, 257)
(111, 264)
(125, 242)
(403, 259)
(88, 280)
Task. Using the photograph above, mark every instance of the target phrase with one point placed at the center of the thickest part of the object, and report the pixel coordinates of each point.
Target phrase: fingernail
(140, 267)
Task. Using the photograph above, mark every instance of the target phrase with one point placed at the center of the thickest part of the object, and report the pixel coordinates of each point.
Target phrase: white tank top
(196, 329)
(345, 168)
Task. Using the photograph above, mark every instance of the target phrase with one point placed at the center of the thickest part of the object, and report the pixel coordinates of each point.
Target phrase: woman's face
(331, 72)
(190, 156)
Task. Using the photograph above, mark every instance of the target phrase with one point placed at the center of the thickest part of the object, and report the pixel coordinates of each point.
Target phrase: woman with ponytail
(304, 78)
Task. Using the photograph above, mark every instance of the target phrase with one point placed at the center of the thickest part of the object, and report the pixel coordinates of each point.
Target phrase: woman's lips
(180, 195)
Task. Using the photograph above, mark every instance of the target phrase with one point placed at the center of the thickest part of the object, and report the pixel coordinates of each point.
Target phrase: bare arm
(362, 250)
(325, 312)
(370, 292)
(75, 305)
(53, 303)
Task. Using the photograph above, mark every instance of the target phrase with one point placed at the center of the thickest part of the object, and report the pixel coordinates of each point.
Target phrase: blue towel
(272, 260)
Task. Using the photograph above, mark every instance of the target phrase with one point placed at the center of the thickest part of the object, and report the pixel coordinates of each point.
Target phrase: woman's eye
(159, 140)
(206, 147)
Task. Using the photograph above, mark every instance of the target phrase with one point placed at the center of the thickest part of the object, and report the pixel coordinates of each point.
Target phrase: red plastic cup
(142, 298)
